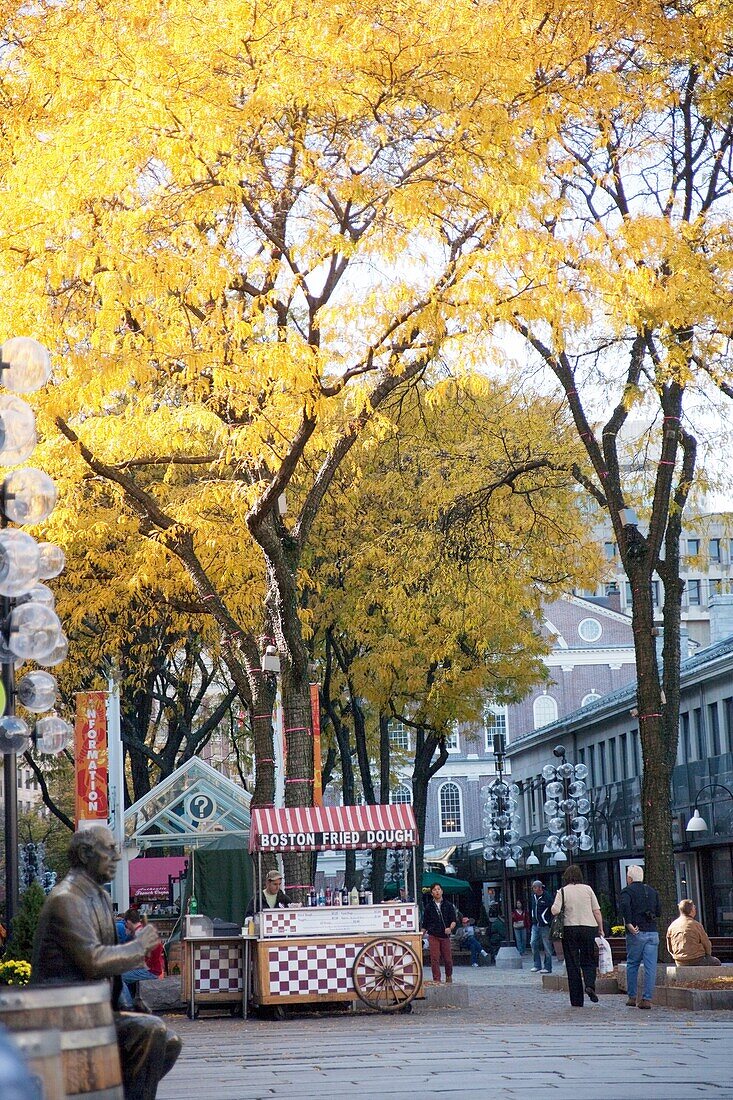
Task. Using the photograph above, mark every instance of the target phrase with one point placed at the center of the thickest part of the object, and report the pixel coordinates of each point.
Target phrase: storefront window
(721, 864)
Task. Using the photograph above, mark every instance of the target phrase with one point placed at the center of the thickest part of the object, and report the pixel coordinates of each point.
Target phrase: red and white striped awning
(318, 828)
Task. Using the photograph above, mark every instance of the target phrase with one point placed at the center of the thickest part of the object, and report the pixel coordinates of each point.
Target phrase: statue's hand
(147, 937)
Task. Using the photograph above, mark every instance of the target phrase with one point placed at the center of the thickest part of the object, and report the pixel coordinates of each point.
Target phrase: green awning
(450, 884)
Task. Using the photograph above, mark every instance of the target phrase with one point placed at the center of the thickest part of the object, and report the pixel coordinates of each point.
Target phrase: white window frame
(539, 704)
(591, 697)
(594, 624)
(453, 739)
(459, 830)
(401, 801)
(399, 729)
(490, 730)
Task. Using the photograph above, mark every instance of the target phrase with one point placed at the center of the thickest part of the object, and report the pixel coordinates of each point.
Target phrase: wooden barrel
(41, 1052)
(83, 1015)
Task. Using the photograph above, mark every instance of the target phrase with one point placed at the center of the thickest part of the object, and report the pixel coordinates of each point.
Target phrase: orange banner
(316, 723)
(91, 758)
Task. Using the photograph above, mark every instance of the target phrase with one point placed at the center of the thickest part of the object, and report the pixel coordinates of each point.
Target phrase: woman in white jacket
(583, 922)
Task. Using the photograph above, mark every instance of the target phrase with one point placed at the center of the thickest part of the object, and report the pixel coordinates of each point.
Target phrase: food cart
(303, 955)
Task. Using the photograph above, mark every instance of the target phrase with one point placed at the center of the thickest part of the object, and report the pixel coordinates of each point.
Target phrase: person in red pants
(439, 921)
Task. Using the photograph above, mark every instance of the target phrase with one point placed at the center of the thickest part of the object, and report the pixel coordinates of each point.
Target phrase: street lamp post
(697, 823)
(501, 825)
(532, 859)
(29, 627)
(566, 807)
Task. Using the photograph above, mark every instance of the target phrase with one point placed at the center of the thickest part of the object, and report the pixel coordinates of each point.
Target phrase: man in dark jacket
(541, 920)
(439, 921)
(76, 941)
(495, 933)
(272, 897)
(640, 908)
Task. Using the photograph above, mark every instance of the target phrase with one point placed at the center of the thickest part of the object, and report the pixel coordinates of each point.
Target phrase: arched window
(545, 711)
(449, 800)
(401, 794)
(591, 697)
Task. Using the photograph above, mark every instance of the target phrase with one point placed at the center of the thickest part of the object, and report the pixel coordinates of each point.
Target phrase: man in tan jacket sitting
(687, 940)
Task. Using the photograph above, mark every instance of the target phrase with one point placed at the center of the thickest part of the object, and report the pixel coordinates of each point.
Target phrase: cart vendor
(272, 897)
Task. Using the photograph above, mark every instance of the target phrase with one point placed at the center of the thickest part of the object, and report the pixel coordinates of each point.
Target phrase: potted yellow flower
(15, 972)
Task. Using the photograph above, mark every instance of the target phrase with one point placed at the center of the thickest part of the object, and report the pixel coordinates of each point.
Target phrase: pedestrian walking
(541, 916)
(439, 921)
(640, 908)
(583, 922)
(520, 924)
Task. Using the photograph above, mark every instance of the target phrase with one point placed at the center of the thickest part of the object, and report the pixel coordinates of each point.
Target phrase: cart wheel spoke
(386, 974)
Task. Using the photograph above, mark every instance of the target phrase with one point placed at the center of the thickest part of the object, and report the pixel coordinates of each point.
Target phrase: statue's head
(95, 851)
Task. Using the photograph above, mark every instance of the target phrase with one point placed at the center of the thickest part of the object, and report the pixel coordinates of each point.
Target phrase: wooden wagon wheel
(386, 974)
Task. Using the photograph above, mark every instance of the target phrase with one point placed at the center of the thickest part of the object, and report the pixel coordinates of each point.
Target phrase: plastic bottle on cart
(369, 898)
(321, 897)
(312, 899)
(354, 896)
(329, 896)
(344, 896)
(336, 898)
(193, 905)
(362, 896)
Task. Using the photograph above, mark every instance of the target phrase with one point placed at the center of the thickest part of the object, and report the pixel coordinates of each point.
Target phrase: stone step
(558, 983)
(681, 975)
(454, 995)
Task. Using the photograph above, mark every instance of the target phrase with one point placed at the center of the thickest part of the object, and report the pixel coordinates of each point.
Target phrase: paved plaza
(512, 1040)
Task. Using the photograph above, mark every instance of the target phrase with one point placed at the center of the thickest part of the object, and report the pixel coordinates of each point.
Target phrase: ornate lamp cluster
(30, 628)
(501, 819)
(566, 807)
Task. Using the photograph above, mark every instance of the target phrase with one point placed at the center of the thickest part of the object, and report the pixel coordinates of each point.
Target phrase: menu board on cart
(339, 920)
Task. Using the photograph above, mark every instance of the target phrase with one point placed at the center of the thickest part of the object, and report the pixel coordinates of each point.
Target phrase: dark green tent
(224, 879)
(450, 884)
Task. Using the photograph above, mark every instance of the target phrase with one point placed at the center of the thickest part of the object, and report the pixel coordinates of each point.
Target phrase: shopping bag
(605, 960)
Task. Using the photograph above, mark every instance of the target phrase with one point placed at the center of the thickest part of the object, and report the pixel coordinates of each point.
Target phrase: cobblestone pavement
(512, 1040)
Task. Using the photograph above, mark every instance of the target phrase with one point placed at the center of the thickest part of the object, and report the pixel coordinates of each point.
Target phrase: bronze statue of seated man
(76, 941)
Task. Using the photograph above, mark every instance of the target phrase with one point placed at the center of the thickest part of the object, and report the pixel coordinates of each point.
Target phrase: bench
(722, 948)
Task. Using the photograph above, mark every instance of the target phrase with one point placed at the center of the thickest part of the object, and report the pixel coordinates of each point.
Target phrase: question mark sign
(199, 807)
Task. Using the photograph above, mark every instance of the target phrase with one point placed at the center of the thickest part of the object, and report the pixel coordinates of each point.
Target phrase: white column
(279, 746)
(116, 784)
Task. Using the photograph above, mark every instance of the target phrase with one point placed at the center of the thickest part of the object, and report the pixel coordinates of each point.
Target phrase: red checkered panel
(279, 922)
(395, 919)
(218, 968)
(312, 968)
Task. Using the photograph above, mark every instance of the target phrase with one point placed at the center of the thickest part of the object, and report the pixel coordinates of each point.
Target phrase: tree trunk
(379, 859)
(657, 760)
(426, 765)
(343, 741)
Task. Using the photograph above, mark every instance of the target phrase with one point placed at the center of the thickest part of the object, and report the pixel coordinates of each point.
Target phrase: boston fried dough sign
(320, 841)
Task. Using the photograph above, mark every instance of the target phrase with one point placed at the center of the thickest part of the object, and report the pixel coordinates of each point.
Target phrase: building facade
(29, 791)
(592, 655)
(604, 735)
(706, 566)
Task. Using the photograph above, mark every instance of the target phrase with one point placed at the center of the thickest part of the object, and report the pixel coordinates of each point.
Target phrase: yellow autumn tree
(621, 285)
(240, 228)
(429, 567)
